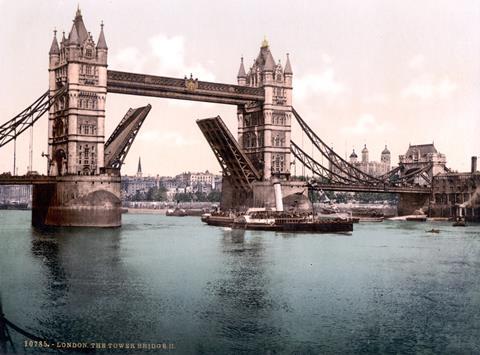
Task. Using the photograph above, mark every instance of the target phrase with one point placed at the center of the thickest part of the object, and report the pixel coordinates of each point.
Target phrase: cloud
(165, 138)
(417, 62)
(129, 59)
(314, 84)
(327, 59)
(377, 98)
(366, 124)
(424, 88)
(170, 51)
(165, 56)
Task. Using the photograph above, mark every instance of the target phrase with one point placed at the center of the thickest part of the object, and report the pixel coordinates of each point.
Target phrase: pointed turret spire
(101, 44)
(288, 66)
(79, 26)
(73, 36)
(241, 70)
(54, 49)
(269, 62)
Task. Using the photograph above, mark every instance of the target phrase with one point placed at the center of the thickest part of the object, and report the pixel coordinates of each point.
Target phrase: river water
(386, 288)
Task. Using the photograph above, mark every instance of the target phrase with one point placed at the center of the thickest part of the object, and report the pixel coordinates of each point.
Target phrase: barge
(219, 219)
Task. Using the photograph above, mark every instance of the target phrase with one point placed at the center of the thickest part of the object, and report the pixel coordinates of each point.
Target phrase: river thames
(386, 288)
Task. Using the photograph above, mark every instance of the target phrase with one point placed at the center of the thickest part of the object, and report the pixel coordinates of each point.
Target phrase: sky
(368, 72)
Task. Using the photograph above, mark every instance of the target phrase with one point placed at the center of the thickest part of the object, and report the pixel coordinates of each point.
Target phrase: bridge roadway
(27, 180)
(184, 89)
(380, 188)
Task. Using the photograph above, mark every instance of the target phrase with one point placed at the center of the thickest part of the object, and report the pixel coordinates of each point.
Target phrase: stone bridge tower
(76, 123)
(264, 130)
(83, 194)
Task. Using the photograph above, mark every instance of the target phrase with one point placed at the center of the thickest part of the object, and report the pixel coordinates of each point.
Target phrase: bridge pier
(80, 201)
(411, 202)
(294, 196)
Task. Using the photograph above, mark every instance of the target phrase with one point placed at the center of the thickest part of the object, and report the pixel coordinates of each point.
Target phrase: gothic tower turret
(353, 157)
(76, 131)
(385, 158)
(264, 129)
(242, 75)
(365, 154)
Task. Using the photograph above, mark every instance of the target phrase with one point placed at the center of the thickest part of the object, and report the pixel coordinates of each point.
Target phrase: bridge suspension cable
(317, 168)
(11, 129)
(336, 160)
(340, 171)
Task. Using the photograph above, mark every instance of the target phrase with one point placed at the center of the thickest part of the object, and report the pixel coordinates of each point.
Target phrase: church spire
(139, 169)
(54, 49)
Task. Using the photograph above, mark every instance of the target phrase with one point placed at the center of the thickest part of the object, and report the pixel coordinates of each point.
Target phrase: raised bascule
(83, 183)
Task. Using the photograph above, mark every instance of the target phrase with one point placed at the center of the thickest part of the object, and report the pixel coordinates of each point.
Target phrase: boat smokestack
(277, 188)
(474, 164)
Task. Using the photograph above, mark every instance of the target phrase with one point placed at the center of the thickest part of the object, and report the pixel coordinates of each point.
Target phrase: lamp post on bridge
(49, 162)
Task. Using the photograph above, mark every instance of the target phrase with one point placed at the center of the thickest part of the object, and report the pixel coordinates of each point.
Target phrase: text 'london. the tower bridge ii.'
(83, 183)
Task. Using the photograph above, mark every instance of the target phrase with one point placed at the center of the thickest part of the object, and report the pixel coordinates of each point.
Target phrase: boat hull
(218, 221)
(314, 227)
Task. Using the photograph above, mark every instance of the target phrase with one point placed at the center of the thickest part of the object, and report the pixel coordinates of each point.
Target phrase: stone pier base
(77, 200)
(410, 203)
(295, 196)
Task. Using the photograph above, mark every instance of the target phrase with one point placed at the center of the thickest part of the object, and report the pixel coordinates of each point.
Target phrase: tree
(156, 194)
(214, 196)
(184, 197)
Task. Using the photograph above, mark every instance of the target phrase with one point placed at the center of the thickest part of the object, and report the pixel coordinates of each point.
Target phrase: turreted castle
(373, 168)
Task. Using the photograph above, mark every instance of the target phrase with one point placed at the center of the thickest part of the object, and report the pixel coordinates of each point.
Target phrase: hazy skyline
(365, 72)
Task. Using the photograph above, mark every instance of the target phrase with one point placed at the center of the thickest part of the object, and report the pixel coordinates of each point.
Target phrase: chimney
(474, 164)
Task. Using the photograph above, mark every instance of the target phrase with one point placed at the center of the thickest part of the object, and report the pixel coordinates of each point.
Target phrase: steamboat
(278, 220)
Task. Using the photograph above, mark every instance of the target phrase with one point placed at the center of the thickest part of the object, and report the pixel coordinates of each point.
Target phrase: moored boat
(177, 212)
(459, 222)
(417, 218)
(221, 219)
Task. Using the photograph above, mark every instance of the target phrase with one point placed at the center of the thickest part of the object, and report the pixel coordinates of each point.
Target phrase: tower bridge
(83, 183)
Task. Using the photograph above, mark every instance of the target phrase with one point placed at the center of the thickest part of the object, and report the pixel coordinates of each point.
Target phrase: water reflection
(242, 306)
(84, 284)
